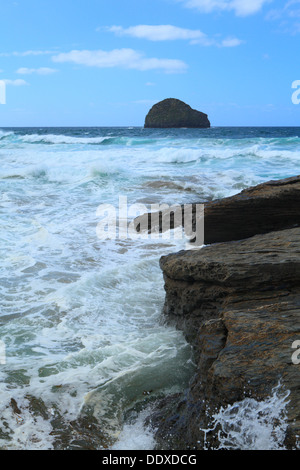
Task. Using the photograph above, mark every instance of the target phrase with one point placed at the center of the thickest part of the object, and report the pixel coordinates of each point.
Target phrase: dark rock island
(175, 113)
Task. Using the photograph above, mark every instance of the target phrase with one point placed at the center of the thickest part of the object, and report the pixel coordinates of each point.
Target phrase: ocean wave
(39, 172)
(205, 145)
(188, 155)
(61, 139)
(74, 316)
(5, 134)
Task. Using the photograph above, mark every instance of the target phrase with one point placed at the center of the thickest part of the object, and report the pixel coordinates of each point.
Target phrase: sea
(84, 348)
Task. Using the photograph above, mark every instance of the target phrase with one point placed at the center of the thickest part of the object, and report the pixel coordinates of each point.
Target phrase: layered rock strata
(238, 303)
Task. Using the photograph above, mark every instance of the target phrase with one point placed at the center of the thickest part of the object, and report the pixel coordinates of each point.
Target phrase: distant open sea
(87, 351)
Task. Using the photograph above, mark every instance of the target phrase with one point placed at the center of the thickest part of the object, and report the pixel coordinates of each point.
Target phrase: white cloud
(157, 32)
(171, 33)
(288, 17)
(18, 82)
(26, 53)
(231, 42)
(40, 71)
(240, 7)
(123, 58)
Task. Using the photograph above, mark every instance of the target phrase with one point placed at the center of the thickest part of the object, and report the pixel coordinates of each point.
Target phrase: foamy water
(251, 424)
(81, 317)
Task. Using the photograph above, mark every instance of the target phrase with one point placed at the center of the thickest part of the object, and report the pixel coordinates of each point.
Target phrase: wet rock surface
(261, 209)
(264, 208)
(238, 304)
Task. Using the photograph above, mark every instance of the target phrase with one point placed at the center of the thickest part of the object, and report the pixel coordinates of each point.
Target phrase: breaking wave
(81, 317)
(252, 424)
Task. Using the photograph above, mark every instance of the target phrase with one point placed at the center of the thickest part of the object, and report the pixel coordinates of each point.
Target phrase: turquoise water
(80, 318)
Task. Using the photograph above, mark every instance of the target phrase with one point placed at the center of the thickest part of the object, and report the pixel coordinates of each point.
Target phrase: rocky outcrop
(264, 208)
(238, 303)
(175, 113)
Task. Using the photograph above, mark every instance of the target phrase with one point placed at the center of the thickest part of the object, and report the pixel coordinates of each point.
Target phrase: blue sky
(106, 62)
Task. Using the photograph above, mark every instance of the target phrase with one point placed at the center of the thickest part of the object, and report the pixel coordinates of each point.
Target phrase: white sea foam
(251, 424)
(80, 317)
(25, 430)
(135, 435)
(61, 139)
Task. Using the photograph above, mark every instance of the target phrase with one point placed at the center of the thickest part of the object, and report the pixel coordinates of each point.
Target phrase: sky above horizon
(106, 62)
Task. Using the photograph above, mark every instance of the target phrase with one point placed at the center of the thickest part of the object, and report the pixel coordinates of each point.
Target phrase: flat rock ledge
(270, 206)
(238, 303)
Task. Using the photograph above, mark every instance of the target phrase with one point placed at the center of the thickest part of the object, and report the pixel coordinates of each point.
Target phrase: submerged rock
(175, 113)
(238, 303)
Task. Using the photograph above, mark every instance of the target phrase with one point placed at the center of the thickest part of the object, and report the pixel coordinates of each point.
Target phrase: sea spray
(135, 435)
